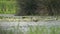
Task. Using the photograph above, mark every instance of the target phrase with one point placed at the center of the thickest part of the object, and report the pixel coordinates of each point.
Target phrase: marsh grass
(29, 18)
(14, 30)
(44, 30)
(32, 30)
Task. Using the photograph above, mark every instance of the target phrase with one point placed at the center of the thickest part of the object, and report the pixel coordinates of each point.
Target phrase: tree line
(38, 7)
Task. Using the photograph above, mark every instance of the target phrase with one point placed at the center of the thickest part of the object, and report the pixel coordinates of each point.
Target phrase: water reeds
(44, 30)
(33, 30)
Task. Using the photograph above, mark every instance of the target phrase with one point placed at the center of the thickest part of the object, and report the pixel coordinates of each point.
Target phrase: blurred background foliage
(30, 7)
(39, 7)
(7, 6)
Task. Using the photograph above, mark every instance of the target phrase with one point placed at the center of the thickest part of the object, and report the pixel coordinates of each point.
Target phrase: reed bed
(32, 30)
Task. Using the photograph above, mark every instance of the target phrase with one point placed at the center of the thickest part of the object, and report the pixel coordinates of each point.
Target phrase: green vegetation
(30, 7)
(7, 7)
(34, 30)
(14, 30)
(29, 18)
(38, 7)
(44, 30)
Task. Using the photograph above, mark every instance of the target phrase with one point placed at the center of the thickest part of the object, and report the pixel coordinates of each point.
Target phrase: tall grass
(7, 6)
(13, 30)
(44, 30)
(33, 30)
